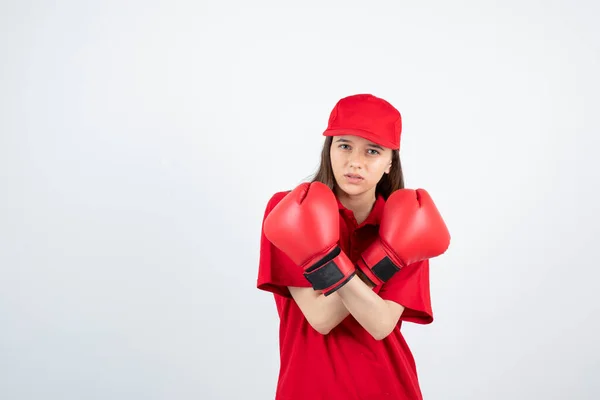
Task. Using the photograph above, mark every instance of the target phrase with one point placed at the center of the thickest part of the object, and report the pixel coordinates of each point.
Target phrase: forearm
(322, 312)
(333, 311)
(372, 312)
(334, 308)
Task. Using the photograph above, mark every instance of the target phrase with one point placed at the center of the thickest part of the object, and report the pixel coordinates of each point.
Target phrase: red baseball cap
(367, 116)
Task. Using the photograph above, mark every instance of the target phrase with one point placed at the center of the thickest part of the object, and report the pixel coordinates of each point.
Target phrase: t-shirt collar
(374, 217)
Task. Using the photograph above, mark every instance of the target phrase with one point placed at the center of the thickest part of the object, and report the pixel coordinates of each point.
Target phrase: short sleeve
(276, 271)
(409, 287)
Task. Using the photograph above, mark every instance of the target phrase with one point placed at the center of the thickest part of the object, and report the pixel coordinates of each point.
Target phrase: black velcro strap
(332, 254)
(385, 269)
(325, 272)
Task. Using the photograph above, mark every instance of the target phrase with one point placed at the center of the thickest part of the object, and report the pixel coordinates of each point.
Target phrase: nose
(355, 160)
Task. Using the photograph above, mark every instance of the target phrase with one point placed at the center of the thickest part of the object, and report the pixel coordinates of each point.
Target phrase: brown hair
(388, 184)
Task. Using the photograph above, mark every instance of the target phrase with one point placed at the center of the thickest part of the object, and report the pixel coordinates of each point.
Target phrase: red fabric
(367, 116)
(347, 363)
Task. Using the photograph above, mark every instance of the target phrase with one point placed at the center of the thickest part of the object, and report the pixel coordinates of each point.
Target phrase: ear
(389, 167)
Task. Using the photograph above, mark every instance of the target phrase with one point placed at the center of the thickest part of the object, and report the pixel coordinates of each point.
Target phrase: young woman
(346, 257)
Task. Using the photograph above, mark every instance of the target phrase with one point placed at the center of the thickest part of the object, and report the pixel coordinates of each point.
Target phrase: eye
(344, 146)
(374, 151)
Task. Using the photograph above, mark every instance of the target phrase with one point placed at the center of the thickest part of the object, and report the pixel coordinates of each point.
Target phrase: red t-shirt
(348, 363)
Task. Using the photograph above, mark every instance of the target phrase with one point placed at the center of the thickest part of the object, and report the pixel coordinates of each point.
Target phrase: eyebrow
(370, 144)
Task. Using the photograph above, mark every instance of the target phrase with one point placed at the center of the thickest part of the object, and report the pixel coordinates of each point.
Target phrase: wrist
(364, 278)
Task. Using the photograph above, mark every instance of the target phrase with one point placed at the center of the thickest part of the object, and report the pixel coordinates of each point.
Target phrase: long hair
(386, 186)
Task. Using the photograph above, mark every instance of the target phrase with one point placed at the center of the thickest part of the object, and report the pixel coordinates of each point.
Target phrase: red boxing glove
(411, 230)
(305, 226)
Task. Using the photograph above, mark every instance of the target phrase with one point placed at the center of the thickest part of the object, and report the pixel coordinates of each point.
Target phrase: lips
(353, 179)
(353, 176)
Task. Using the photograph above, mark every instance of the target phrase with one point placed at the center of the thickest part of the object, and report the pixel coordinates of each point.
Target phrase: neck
(360, 204)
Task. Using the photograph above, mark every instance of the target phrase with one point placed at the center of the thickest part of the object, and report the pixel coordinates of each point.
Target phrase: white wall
(140, 141)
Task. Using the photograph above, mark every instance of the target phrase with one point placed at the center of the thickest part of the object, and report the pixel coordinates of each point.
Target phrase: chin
(353, 190)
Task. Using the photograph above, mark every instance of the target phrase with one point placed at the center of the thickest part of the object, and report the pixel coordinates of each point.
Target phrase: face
(358, 164)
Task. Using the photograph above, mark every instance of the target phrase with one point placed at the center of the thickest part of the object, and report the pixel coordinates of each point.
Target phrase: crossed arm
(376, 315)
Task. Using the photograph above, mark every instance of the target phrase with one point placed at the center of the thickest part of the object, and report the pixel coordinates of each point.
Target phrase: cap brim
(363, 134)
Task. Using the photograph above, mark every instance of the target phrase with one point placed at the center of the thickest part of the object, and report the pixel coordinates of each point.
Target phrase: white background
(141, 140)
